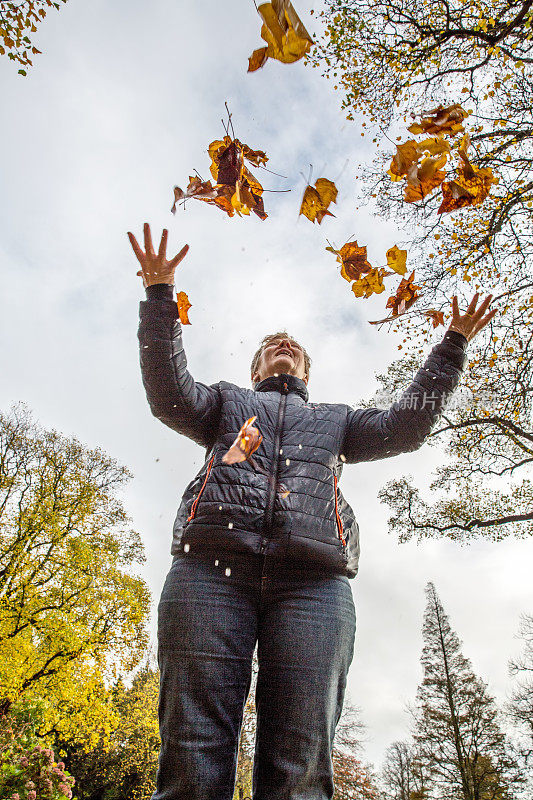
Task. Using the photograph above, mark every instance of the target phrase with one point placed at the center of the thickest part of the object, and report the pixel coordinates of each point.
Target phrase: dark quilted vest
(234, 507)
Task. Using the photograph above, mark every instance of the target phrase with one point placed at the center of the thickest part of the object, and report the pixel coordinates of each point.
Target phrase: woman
(252, 564)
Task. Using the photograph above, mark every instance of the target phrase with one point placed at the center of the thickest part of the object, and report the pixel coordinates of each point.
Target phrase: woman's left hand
(472, 321)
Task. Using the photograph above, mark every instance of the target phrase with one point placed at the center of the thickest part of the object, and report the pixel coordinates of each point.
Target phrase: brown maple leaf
(283, 31)
(407, 154)
(352, 259)
(440, 120)
(228, 169)
(317, 198)
(436, 317)
(471, 187)
(371, 283)
(406, 295)
(421, 180)
(183, 308)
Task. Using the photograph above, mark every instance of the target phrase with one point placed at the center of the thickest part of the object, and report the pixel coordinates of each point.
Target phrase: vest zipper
(197, 499)
(337, 515)
(275, 463)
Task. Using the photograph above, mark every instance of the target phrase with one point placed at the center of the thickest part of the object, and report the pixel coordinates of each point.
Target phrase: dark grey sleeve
(373, 433)
(185, 405)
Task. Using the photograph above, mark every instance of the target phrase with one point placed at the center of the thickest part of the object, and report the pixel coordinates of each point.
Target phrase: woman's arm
(185, 405)
(375, 433)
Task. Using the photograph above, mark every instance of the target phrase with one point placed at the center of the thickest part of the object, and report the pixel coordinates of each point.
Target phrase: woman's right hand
(154, 267)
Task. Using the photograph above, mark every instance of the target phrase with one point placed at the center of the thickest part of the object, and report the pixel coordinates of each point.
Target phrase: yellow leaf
(397, 259)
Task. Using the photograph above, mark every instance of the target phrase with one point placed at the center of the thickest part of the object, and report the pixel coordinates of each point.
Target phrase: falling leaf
(353, 260)
(247, 441)
(471, 187)
(397, 259)
(407, 154)
(317, 198)
(436, 317)
(236, 190)
(446, 121)
(435, 146)
(406, 295)
(423, 179)
(183, 308)
(228, 169)
(196, 188)
(283, 31)
(371, 283)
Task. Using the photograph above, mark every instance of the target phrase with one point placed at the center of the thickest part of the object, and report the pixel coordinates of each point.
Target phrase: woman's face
(282, 354)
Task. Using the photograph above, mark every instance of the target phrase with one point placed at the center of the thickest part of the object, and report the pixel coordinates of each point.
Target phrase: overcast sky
(120, 107)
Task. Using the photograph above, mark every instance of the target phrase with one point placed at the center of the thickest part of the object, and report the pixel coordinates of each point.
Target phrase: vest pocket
(338, 520)
(197, 498)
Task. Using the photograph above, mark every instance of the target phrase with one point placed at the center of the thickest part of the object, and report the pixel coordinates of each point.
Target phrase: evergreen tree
(456, 726)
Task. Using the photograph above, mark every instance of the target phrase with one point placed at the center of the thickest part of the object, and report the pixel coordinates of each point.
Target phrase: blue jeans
(208, 623)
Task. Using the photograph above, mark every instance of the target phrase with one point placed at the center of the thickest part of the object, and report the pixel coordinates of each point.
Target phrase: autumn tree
(19, 18)
(72, 613)
(520, 706)
(394, 62)
(456, 726)
(123, 768)
(403, 775)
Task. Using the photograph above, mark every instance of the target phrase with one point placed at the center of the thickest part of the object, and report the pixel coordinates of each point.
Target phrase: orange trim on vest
(194, 505)
(339, 521)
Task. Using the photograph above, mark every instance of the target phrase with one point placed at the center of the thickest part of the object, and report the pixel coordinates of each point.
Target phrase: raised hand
(472, 321)
(154, 267)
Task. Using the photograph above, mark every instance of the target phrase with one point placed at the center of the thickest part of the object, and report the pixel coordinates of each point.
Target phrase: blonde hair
(266, 340)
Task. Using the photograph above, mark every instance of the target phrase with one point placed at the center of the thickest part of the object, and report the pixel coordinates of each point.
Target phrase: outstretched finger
(136, 249)
(472, 307)
(181, 255)
(163, 244)
(455, 306)
(482, 322)
(482, 308)
(148, 240)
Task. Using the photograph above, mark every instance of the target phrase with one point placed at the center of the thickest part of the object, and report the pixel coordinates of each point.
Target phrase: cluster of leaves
(471, 185)
(17, 19)
(28, 769)
(235, 189)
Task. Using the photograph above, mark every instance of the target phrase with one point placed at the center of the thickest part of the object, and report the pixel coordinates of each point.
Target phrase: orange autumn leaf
(435, 146)
(352, 259)
(440, 120)
(247, 441)
(283, 31)
(228, 169)
(407, 154)
(236, 190)
(183, 308)
(397, 259)
(436, 317)
(421, 180)
(317, 198)
(371, 283)
(406, 295)
(196, 188)
(471, 187)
